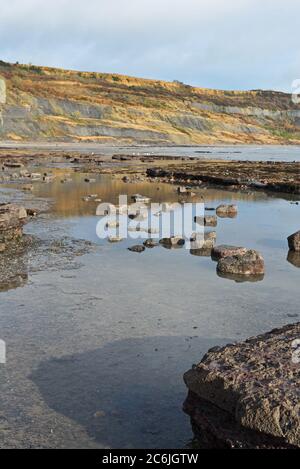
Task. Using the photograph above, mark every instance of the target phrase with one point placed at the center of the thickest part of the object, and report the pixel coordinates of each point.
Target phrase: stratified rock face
(247, 394)
(12, 219)
(294, 241)
(249, 264)
(227, 211)
(224, 250)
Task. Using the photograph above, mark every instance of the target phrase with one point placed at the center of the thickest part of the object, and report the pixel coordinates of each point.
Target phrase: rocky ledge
(233, 175)
(246, 395)
(12, 220)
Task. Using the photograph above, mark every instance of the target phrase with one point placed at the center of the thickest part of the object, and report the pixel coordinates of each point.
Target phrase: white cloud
(216, 43)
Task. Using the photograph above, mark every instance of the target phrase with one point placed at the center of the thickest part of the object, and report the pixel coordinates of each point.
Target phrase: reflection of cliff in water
(69, 196)
(294, 258)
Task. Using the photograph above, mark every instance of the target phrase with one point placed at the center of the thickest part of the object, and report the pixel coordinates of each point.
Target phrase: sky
(225, 44)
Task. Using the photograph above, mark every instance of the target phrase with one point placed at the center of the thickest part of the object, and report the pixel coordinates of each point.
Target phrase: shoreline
(233, 175)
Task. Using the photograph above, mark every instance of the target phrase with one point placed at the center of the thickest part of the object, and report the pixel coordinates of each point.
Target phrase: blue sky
(241, 44)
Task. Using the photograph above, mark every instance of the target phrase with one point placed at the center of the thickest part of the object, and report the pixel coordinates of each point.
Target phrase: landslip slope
(61, 105)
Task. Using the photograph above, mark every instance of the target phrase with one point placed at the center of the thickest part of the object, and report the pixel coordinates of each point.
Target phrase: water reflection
(293, 258)
(241, 278)
(73, 198)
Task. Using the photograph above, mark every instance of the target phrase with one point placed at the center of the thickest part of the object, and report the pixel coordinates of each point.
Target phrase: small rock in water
(210, 220)
(31, 212)
(27, 187)
(138, 248)
(150, 243)
(114, 239)
(250, 263)
(173, 241)
(227, 211)
(112, 224)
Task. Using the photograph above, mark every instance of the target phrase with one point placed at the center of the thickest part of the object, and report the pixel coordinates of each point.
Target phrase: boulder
(246, 395)
(138, 248)
(294, 241)
(225, 250)
(227, 211)
(250, 263)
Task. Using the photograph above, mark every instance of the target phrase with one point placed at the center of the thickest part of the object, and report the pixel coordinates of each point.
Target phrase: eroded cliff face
(51, 104)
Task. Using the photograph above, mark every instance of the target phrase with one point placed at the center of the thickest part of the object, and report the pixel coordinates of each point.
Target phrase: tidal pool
(96, 348)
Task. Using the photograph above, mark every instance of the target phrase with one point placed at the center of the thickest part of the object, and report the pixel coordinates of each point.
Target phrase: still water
(96, 348)
(227, 152)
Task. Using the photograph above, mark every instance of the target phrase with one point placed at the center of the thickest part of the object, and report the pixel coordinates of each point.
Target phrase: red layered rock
(247, 394)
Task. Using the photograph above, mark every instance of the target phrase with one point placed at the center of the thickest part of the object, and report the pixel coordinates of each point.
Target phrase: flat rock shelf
(246, 395)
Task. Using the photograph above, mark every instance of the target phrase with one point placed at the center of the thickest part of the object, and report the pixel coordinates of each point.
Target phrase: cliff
(61, 105)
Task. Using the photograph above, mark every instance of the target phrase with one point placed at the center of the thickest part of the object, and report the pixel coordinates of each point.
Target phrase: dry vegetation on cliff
(53, 104)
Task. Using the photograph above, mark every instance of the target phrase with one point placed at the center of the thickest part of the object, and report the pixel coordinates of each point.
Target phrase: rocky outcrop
(12, 220)
(246, 395)
(294, 241)
(250, 263)
(234, 175)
